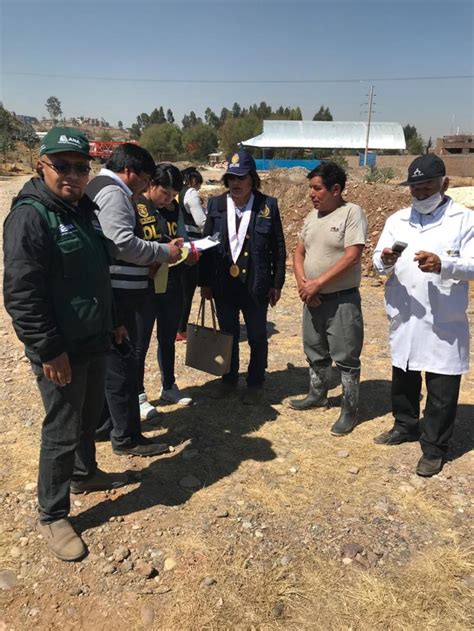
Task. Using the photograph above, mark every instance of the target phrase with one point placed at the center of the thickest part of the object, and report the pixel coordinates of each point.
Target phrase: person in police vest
(162, 221)
(126, 175)
(194, 218)
(57, 291)
(246, 271)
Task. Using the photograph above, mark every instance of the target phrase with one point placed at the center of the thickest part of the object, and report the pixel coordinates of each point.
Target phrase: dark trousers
(166, 310)
(121, 386)
(255, 317)
(189, 277)
(437, 425)
(67, 449)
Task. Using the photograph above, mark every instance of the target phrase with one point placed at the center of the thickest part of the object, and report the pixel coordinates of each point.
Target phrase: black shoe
(310, 401)
(394, 437)
(427, 467)
(253, 396)
(142, 447)
(99, 481)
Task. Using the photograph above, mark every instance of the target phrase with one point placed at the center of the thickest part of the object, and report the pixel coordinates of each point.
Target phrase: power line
(233, 81)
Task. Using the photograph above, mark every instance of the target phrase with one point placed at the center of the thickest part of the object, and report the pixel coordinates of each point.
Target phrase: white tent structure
(327, 135)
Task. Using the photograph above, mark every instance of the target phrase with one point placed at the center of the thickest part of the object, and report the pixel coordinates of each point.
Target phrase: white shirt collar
(116, 177)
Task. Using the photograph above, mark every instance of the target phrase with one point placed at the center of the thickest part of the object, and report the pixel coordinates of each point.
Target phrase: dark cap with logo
(424, 168)
(62, 139)
(241, 163)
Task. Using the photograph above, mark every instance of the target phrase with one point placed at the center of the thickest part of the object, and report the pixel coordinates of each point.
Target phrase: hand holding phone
(399, 246)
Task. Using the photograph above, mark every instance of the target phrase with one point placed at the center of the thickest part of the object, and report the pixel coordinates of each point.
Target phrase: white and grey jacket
(132, 254)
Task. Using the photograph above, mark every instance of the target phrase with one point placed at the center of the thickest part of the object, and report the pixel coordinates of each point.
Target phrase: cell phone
(399, 246)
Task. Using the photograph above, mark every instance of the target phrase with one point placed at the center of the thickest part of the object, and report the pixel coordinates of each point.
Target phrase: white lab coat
(429, 328)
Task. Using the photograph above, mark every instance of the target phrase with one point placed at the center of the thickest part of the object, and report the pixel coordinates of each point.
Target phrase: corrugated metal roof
(327, 135)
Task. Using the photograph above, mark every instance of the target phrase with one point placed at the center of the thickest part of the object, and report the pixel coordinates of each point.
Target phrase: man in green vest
(57, 292)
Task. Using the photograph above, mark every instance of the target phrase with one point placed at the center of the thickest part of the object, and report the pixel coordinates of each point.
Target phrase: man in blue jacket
(246, 271)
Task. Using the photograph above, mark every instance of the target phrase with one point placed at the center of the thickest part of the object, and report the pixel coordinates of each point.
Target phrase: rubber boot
(317, 397)
(350, 397)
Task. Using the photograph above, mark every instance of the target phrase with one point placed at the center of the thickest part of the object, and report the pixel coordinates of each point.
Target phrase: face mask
(426, 206)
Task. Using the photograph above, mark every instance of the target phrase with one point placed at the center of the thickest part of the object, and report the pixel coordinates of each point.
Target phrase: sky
(116, 59)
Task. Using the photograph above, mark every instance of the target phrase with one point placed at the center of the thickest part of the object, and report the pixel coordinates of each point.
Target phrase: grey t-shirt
(326, 236)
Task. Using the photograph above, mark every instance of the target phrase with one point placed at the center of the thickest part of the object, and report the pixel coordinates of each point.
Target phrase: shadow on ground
(217, 438)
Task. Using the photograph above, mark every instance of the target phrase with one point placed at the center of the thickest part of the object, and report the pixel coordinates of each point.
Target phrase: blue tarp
(266, 165)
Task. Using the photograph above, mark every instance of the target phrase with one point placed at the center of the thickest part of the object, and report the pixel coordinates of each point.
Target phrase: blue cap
(241, 163)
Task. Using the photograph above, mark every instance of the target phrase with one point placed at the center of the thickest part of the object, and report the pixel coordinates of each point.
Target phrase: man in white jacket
(427, 251)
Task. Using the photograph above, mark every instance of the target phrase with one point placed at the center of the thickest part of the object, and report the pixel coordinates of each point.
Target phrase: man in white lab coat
(427, 251)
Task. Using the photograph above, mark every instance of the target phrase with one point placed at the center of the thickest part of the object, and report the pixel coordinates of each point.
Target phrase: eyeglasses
(63, 167)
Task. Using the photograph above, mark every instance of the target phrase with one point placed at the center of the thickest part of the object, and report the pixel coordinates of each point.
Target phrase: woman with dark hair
(159, 214)
(246, 271)
(194, 218)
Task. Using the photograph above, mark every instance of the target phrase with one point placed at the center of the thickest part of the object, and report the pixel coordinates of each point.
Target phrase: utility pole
(371, 97)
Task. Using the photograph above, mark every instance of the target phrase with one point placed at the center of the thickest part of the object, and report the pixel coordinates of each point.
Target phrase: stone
(406, 488)
(222, 513)
(75, 591)
(208, 581)
(372, 558)
(346, 561)
(169, 564)
(162, 589)
(15, 552)
(108, 569)
(190, 482)
(146, 569)
(258, 534)
(246, 524)
(351, 550)
(278, 610)
(147, 615)
(126, 566)
(30, 486)
(8, 579)
(354, 470)
(342, 453)
(293, 470)
(121, 553)
(285, 560)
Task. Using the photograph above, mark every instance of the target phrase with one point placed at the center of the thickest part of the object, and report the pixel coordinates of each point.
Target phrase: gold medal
(234, 270)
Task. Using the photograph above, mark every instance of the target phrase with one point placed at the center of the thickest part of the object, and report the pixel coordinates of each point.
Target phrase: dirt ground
(258, 519)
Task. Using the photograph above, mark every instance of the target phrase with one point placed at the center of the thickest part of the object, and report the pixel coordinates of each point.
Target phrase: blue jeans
(166, 310)
(255, 317)
(67, 450)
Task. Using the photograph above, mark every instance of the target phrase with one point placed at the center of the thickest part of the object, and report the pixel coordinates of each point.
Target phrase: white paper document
(202, 244)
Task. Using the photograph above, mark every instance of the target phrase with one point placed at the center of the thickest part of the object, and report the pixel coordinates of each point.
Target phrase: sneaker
(181, 336)
(143, 446)
(173, 395)
(147, 411)
(98, 481)
(62, 540)
(427, 467)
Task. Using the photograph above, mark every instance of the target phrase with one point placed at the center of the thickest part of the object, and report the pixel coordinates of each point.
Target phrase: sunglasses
(63, 167)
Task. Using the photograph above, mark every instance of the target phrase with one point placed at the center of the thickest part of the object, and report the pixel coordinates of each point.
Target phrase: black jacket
(265, 266)
(56, 280)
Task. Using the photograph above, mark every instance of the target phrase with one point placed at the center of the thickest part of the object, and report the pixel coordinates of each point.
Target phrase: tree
(224, 115)
(169, 116)
(199, 141)
(211, 119)
(29, 137)
(323, 114)
(53, 106)
(429, 144)
(8, 131)
(189, 120)
(120, 125)
(235, 130)
(410, 132)
(236, 110)
(163, 138)
(157, 117)
(415, 145)
(264, 110)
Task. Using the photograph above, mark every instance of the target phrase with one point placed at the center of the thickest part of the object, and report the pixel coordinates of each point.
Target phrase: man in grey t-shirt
(327, 267)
